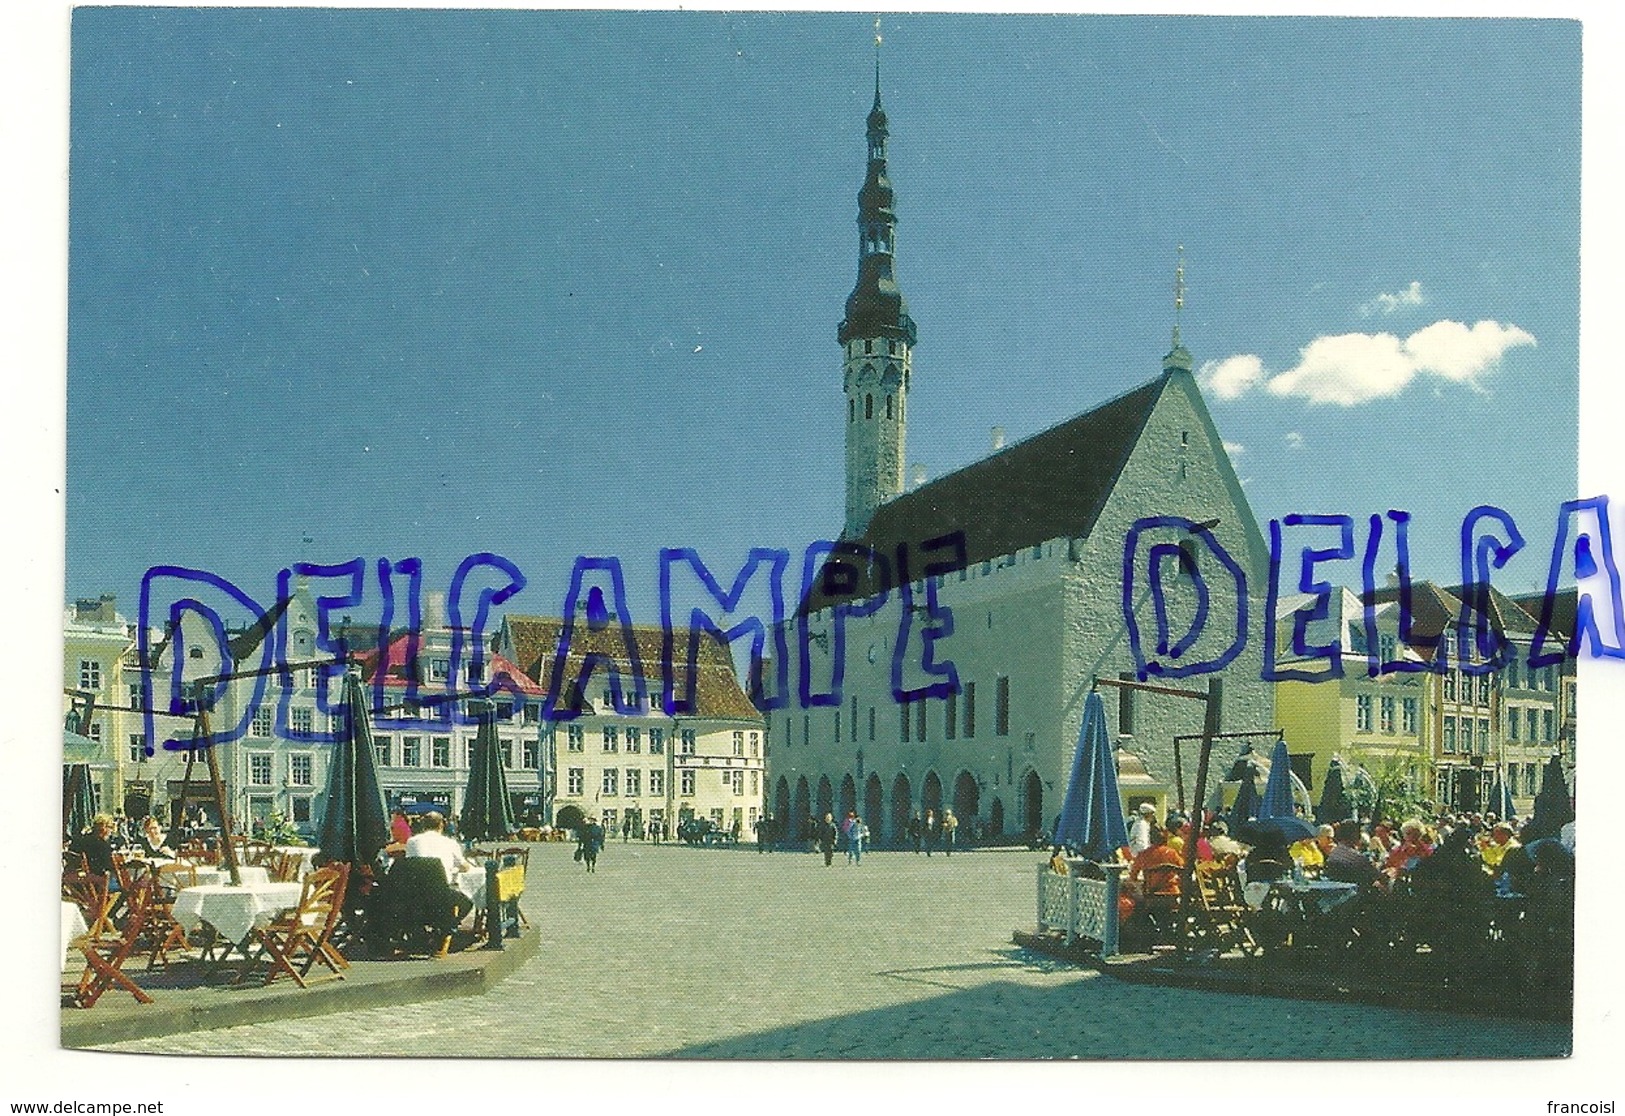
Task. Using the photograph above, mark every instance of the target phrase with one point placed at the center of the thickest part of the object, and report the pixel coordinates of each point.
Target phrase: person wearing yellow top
(1494, 849)
(1307, 854)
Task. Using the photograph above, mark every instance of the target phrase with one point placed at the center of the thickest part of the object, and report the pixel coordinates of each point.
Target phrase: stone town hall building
(1037, 607)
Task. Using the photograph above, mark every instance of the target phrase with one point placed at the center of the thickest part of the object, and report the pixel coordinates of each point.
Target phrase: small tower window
(888, 406)
(868, 346)
(851, 410)
(868, 406)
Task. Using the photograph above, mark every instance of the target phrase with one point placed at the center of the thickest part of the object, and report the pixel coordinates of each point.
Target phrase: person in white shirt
(1139, 834)
(431, 840)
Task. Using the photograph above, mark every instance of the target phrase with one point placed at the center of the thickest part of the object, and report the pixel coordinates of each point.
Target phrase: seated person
(1058, 864)
(1494, 848)
(1451, 876)
(151, 843)
(1268, 859)
(1156, 870)
(1222, 844)
(95, 845)
(431, 841)
(1411, 850)
(1347, 863)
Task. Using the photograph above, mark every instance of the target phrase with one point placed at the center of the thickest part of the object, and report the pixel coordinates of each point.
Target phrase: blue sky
(556, 284)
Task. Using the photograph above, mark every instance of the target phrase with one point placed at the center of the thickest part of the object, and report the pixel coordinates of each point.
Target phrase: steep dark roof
(717, 692)
(1052, 485)
(1433, 612)
(1565, 602)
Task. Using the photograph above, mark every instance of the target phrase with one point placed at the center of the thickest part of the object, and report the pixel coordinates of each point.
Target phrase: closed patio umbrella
(1277, 800)
(354, 825)
(487, 812)
(1246, 804)
(1334, 803)
(1553, 808)
(1091, 821)
(1500, 802)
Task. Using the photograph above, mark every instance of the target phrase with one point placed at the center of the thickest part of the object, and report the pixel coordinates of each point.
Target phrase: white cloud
(1234, 449)
(1386, 303)
(1294, 440)
(1231, 377)
(1353, 368)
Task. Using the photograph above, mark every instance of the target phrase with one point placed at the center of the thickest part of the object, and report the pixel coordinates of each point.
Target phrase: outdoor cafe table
(304, 853)
(73, 928)
(472, 884)
(233, 912)
(208, 874)
(1314, 896)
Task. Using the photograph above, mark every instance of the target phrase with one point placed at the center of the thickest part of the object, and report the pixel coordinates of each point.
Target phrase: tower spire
(877, 339)
(1179, 357)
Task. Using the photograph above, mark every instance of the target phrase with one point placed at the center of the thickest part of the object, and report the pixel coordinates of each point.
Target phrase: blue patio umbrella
(1091, 821)
(1553, 809)
(1277, 800)
(355, 825)
(1500, 801)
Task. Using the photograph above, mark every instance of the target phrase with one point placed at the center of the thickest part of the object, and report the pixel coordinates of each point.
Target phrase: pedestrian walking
(915, 831)
(933, 830)
(592, 842)
(950, 831)
(857, 835)
(826, 838)
(626, 829)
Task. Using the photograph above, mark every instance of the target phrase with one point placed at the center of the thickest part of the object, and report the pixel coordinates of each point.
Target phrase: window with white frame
(302, 719)
(95, 731)
(687, 740)
(1386, 711)
(739, 782)
(381, 747)
(611, 777)
(1362, 713)
(574, 780)
(259, 769)
(634, 782)
(657, 782)
(138, 748)
(1514, 725)
(739, 738)
(90, 675)
(529, 753)
(440, 751)
(612, 738)
(507, 753)
(575, 738)
(755, 782)
(300, 813)
(411, 751)
(634, 739)
(756, 742)
(1450, 735)
(262, 721)
(135, 697)
(302, 769)
(1483, 736)
(1407, 716)
(1548, 723)
(657, 742)
(686, 783)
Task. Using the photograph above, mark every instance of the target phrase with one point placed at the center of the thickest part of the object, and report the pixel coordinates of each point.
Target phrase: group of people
(851, 833)
(105, 837)
(1444, 867)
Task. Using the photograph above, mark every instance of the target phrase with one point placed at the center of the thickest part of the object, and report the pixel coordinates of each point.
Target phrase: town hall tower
(877, 338)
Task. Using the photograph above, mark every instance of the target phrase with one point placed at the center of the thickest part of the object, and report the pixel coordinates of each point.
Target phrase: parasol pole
(1189, 896)
(228, 852)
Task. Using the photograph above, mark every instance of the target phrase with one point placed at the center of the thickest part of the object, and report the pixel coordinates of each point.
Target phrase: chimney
(434, 610)
(998, 438)
(99, 610)
(919, 475)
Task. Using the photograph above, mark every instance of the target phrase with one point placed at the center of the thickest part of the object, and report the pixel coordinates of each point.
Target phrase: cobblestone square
(670, 951)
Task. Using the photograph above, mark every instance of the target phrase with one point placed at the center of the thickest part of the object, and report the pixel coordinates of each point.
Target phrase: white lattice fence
(1080, 907)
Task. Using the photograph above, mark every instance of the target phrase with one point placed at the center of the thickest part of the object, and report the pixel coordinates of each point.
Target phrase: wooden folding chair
(94, 897)
(1223, 909)
(283, 867)
(105, 954)
(305, 932)
(163, 931)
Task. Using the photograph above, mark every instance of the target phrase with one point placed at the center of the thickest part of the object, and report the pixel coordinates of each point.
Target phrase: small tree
(1394, 795)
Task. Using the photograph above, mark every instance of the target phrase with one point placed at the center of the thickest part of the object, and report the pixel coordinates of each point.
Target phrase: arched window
(888, 407)
(868, 406)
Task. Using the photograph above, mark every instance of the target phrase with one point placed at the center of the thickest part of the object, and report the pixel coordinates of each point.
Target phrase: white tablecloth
(234, 911)
(208, 874)
(472, 884)
(73, 926)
